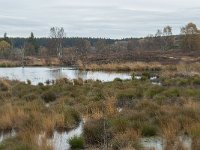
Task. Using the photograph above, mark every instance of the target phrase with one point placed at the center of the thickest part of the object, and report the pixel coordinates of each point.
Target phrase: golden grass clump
(191, 68)
(129, 66)
(11, 117)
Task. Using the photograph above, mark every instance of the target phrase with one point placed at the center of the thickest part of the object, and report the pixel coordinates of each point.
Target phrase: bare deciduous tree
(57, 35)
(168, 38)
(167, 31)
(190, 37)
(83, 46)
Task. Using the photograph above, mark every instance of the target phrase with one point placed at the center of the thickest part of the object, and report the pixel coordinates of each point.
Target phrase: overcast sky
(96, 18)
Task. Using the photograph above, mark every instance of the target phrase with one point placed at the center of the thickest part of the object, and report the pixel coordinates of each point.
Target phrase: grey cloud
(96, 18)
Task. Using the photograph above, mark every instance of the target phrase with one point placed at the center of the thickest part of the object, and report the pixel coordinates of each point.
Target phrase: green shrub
(3, 65)
(96, 94)
(69, 117)
(48, 82)
(30, 97)
(118, 80)
(95, 105)
(76, 142)
(148, 131)
(29, 82)
(166, 82)
(172, 93)
(145, 76)
(17, 144)
(151, 92)
(49, 96)
(120, 125)
(159, 98)
(195, 132)
(182, 82)
(192, 93)
(196, 81)
(40, 84)
(128, 94)
(75, 115)
(133, 76)
(128, 97)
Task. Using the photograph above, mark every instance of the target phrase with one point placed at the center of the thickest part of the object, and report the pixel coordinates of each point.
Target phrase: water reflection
(60, 140)
(80, 74)
(42, 74)
(154, 143)
(158, 143)
(55, 73)
(7, 134)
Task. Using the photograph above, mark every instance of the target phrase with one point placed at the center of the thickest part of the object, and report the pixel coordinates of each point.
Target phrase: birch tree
(57, 35)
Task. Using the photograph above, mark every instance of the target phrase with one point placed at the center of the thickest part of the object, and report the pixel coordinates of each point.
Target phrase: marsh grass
(4, 86)
(147, 110)
(183, 67)
(94, 132)
(129, 66)
(6, 63)
(28, 114)
(128, 140)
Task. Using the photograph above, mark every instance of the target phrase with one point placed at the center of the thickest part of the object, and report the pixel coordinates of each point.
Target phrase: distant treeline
(19, 42)
(58, 45)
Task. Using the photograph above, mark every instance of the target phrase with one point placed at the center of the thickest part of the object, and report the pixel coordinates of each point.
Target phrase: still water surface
(42, 74)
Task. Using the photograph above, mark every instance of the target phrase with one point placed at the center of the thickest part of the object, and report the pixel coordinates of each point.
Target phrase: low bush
(182, 82)
(4, 86)
(196, 81)
(78, 82)
(120, 125)
(94, 132)
(76, 142)
(119, 143)
(145, 76)
(172, 93)
(29, 82)
(192, 93)
(66, 117)
(18, 143)
(40, 84)
(96, 94)
(30, 97)
(148, 131)
(75, 116)
(127, 98)
(153, 91)
(194, 130)
(118, 80)
(48, 82)
(49, 96)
